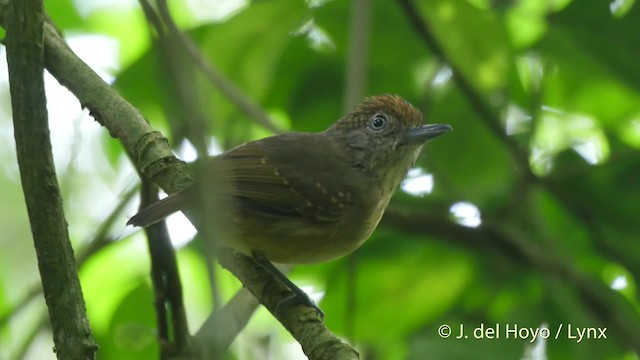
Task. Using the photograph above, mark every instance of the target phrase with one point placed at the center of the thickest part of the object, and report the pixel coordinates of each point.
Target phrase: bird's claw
(299, 299)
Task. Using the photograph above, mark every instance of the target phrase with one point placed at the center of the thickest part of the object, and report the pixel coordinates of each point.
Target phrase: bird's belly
(298, 242)
(290, 244)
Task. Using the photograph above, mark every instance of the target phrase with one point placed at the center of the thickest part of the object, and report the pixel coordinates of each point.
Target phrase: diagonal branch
(222, 327)
(490, 118)
(153, 157)
(497, 238)
(96, 243)
(147, 147)
(226, 87)
(303, 322)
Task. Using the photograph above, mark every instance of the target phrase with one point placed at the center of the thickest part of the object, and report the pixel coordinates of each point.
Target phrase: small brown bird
(311, 197)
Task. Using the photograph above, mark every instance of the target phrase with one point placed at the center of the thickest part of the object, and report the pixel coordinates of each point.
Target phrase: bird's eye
(378, 123)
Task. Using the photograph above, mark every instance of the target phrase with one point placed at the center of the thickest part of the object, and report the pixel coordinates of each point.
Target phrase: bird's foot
(297, 296)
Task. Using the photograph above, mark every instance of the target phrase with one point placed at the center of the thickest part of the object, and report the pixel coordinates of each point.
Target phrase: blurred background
(526, 216)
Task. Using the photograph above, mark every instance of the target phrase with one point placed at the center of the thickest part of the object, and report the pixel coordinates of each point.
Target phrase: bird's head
(385, 134)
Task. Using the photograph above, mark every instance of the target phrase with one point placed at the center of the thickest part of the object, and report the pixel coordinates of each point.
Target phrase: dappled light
(466, 214)
(619, 283)
(180, 229)
(558, 131)
(517, 120)
(418, 182)
(442, 77)
(318, 38)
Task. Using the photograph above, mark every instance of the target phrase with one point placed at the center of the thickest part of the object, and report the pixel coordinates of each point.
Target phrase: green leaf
(474, 40)
(132, 332)
(394, 271)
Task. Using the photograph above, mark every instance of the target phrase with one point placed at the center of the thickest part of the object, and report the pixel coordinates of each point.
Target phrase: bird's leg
(298, 296)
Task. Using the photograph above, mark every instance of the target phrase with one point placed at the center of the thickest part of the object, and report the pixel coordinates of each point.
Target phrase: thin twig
(357, 58)
(197, 131)
(32, 293)
(228, 89)
(356, 83)
(32, 333)
(166, 284)
(223, 325)
(100, 240)
(487, 115)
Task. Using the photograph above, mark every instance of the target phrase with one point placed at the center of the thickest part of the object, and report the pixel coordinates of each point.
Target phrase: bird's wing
(286, 180)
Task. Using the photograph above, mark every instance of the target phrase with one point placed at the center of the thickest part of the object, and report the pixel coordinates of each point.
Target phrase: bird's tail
(159, 210)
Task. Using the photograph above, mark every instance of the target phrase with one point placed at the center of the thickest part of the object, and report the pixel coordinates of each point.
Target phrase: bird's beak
(427, 132)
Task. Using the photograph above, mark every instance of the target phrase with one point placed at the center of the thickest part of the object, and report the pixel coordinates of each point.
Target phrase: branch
(56, 262)
(222, 327)
(357, 64)
(226, 87)
(32, 334)
(167, 287)
(302, 321)
(187, 115)
(356, 83)
(148, 148)
(487, 115)
(97, 242)
(153, 157)
(612, 309)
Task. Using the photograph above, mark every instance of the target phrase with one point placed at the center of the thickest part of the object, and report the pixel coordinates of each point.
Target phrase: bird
(302, 198)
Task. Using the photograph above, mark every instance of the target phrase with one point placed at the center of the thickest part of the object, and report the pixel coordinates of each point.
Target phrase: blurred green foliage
(557, 187)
